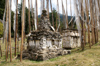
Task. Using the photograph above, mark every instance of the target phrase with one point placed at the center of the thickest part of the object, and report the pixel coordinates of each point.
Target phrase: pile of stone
(41, 54)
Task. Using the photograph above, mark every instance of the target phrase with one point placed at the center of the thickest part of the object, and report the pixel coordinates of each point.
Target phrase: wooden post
(66, 15)
(56, 20)
(63, 14)
(29, 16)
(95, 23)
(91, 15)
(37, 11)
(58, 16)
(22, 33)
(4, 16)
(83, 26)
(16, 27)
(48, 7)
(52, 13)
(32, 14)
(98, 17)
(6, 31)
(87, 14)
(71, 14)
(43, 4)
(9, 40)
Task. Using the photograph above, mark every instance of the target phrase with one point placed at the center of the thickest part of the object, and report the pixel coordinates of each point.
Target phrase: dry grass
(88, 57)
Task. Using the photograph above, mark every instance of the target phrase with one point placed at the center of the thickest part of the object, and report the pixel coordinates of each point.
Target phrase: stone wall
(45, 39)
(71, 38)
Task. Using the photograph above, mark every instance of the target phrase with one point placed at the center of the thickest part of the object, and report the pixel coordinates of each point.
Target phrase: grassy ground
(88, 57)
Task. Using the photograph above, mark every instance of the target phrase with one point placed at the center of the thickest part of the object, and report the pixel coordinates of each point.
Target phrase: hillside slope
(89, 57)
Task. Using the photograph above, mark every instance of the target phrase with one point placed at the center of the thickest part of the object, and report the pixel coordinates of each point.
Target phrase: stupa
(44, 43)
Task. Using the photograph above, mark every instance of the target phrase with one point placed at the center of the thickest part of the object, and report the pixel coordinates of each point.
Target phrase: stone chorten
(44, 23)
(44, 43)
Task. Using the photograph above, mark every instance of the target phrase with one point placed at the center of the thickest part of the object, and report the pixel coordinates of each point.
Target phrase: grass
(88, 57)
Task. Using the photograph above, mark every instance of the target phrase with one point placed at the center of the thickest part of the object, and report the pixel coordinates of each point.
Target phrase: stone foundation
(41, 55)
(44, 45)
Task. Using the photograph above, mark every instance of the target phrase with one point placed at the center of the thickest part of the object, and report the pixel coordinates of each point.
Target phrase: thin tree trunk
(83, 26)
(71, 14)
(29, 16)
(87, 14)
(16, 27)
(37, 11)
(56, 21)
(93, 3)
(22, 35)
(48, 7)
(6, 31)
(58, 15)
(77, 18)
(66, 15)
(97, 19)
(52, 13)
(43, 4)
(91, 15)
(95, 23)
(9, 40)
(63, 12)
(4, 16)
(32, 14)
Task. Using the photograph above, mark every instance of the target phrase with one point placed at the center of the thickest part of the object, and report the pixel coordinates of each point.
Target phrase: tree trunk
(52, 13)
(87, 14)
(6, 41)
(23, 14)
(91, 15)
(16, 27)
(29, 16)
(9, 40)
